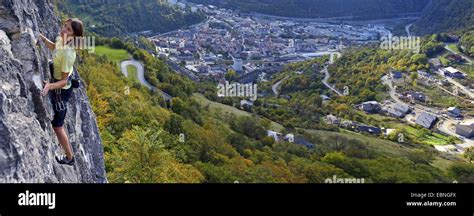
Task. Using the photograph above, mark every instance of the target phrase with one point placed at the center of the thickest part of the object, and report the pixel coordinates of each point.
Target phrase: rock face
(28, 143)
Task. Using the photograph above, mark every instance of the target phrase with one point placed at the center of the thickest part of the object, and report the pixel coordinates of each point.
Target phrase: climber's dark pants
(59, 99)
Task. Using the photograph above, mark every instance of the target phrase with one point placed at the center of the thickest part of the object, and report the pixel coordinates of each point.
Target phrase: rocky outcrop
(27, 141)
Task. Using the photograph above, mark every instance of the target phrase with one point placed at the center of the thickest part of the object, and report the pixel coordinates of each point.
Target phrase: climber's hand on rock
(46, 88)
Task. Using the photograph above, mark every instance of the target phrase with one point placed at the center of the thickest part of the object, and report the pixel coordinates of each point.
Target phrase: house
(399, 110)
(369, 129)
(445, 82)
(371, 107)
(454, 112)
(202, 68)
(465, 130)
(426, 120)
(356, 126)
(424, 74)
(349, 124)
(186, 57)
(389, 131)
(454, 58)
(453, 73)
(289, 138)
(275, 135)
(246, 105)
(402, 108)
(418, 96)
(330, 119)
(397, 74)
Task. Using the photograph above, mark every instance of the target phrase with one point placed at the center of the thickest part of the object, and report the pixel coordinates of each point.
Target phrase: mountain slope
(27, 141)
(323, 8)
(444, 16)
(118, 17)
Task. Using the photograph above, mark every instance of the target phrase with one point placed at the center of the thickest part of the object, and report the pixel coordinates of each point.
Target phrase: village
(254, 46)
(413, 108)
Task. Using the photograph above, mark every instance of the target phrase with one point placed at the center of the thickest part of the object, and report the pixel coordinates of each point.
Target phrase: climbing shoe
(63, 160)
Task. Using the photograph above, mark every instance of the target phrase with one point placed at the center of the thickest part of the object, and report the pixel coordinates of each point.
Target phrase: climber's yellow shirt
(63, 58)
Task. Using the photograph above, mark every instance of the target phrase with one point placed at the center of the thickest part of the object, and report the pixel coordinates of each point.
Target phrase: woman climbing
(64, 56)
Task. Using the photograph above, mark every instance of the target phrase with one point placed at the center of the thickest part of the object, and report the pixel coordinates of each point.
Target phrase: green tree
(142, 158)
(175, 124)
(419, 59)
(231, 75)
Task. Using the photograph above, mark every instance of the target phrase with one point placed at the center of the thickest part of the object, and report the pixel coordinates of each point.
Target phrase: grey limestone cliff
(27, 141)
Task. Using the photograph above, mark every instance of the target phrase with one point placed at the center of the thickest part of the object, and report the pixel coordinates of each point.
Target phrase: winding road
(140, 71)
(325, 82)
(407, 29)
(141, 76)
(327, 75)
(277, 85)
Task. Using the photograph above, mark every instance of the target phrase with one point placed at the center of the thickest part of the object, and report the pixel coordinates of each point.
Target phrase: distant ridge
(369, 9)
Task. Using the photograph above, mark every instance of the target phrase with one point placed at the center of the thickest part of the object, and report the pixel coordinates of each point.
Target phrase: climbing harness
(59, 104)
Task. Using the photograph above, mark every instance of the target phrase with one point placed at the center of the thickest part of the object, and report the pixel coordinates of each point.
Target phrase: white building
(290, 138)
(276, 136)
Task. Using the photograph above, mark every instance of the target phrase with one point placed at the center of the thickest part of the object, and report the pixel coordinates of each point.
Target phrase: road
(393, 92)
(325, 70)
(407, 29)
(461, 87)
(327, 75)
(141, 76)
(468, 60)
(325, 82)
(448, 127)
(277, 85)
(451, 93)
(140, 71)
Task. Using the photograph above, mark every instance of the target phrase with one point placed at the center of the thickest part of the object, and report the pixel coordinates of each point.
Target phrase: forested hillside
(467, 43)
(119, 17)
(445, 16)
(323, 8)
